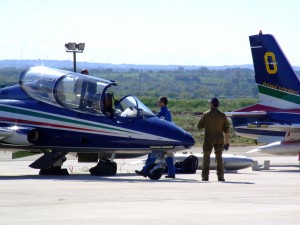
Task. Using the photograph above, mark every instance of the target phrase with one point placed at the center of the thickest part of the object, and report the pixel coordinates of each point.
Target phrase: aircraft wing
(254, 150)
(251, 113)
(269, 139)
(289, 148)
(287, 127)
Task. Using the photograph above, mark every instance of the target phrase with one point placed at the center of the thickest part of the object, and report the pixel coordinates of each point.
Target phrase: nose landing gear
(155, 171)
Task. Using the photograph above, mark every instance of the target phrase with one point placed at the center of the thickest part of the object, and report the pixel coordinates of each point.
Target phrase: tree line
(201, 83)
(184, 84)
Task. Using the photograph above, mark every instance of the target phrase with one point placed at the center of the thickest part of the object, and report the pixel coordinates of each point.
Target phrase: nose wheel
(155, 171)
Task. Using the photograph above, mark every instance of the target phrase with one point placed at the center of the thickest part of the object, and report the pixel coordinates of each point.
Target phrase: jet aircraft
(275, 120)
(57, 112)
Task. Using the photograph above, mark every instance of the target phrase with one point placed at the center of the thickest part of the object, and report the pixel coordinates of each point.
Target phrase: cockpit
(79, 92)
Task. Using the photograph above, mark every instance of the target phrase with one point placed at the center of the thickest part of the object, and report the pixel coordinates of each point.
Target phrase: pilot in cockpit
(108, 104)
(87, 91)
(78, 84)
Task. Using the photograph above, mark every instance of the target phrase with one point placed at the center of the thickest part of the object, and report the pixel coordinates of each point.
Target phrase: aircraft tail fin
(278, 84)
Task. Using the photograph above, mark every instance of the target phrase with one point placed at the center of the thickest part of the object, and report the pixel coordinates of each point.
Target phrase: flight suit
(164, 114)
(215, 124)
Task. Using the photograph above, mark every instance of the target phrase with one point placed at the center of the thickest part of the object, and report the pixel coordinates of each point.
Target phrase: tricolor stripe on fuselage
(276, 98)
(34, 118)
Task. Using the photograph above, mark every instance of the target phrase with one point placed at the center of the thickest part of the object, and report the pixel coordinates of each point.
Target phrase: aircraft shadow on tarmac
(88, 178)
(283, 171)
(128, 178)
(237, 182)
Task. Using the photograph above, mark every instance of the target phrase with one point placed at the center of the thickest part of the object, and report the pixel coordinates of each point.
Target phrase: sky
(160, 32)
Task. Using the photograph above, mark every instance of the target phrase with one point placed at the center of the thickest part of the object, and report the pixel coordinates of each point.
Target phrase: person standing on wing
(215, 124)
(164, 114)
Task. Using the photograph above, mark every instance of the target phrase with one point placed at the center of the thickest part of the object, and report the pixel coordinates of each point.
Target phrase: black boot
(170, 176)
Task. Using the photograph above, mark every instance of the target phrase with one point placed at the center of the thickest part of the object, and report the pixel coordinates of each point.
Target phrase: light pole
(237, 84)
(75, 48)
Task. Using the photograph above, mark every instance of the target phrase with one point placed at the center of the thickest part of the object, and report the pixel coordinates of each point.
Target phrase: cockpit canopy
(79, 92)
(64, 88)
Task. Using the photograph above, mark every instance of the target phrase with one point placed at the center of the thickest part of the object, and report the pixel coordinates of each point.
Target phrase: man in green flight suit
(215, 124)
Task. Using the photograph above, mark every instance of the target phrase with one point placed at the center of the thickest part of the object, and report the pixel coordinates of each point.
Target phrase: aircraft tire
(155, 173)
(104, 168)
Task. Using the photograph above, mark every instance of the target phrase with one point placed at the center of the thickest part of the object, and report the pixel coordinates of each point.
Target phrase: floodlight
(71, 46)
(80, 46)
(75, 48)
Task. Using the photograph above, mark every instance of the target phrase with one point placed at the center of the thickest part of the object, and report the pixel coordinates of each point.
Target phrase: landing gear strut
(105, 167)
(50, 164)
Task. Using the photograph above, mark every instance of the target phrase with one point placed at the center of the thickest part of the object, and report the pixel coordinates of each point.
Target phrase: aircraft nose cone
(184, 138)
(188, 140)
(173, 134)
(244, 163)
(237, 162)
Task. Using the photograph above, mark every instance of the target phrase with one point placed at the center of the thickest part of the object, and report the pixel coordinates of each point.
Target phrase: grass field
(186, 114)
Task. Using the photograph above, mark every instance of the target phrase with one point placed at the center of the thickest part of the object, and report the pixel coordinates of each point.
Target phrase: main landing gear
(50, 164)
(105, 167)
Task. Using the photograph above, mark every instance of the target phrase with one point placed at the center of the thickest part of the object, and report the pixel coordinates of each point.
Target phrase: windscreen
(130, 106)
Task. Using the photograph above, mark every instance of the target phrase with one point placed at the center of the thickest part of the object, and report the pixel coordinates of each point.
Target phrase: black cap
(84, 71)
(215, 102)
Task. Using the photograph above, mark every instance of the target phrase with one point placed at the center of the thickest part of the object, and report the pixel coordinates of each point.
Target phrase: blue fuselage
(68, 130)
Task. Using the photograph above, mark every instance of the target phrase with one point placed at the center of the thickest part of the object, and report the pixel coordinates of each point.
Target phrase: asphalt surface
(247, 197)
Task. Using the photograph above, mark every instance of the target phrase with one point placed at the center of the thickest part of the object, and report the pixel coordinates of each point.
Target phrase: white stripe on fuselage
(276, 102)
(109, 130)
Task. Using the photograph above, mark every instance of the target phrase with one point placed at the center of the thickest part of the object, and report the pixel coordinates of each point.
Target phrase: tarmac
(246, 197)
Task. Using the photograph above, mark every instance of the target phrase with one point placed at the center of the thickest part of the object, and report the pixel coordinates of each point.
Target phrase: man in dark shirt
(215, 124)
(164, 112)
